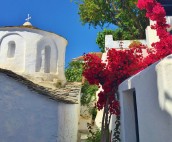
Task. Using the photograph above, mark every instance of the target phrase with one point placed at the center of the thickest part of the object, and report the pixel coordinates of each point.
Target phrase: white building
(33, 52)
(146, 106)
(151, 37)
(145, 98)
(36, 103)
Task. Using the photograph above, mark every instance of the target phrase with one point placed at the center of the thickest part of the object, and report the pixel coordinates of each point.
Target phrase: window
(11, 49)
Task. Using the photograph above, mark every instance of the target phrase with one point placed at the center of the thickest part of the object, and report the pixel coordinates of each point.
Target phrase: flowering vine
(121, 64)
(156, 12)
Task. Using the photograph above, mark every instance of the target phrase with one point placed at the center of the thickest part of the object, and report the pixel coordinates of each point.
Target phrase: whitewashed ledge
(68, 94)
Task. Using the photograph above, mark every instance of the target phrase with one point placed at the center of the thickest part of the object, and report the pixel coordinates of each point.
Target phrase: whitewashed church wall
(61, 58)
(67, 122)
(36, 52)
(154, 123)
(46, 44)
(30, 117)
(12, 49)
(30, 50)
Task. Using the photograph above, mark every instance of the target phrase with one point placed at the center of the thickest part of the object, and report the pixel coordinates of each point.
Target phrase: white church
(36, 103)
(30, 51)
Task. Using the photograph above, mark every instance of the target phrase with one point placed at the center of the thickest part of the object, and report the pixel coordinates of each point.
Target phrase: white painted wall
(151, 36)
(37, 52)
(67, 123)
(110, 43)
(98, 120)
(27, 116)
(164, 77)
(17, 62)
(153, 104)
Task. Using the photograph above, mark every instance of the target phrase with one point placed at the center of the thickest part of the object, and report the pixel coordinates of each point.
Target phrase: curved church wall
(33, 52)
(46, 58)
(12, 48)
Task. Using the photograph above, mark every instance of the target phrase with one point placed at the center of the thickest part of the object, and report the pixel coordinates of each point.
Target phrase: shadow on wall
(46, 60)
(43, 60)
(168, 103)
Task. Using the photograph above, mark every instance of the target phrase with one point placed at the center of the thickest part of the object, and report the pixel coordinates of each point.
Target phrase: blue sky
(58, 16)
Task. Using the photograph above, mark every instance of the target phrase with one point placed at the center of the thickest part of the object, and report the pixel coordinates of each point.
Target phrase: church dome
(27, 24)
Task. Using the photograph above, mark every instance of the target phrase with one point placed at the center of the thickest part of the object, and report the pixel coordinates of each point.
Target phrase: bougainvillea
(121, 64)
(156, 12)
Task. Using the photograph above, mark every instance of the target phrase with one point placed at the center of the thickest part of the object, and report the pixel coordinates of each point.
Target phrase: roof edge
(51, 93)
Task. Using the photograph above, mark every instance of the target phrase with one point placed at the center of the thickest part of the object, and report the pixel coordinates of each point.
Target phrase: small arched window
(11, 49)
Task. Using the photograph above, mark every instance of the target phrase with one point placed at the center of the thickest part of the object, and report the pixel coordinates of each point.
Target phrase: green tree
(74, 71)
(89, 93)
(130, 20)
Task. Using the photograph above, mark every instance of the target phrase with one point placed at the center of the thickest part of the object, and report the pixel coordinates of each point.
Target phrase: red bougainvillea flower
(121, 64)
